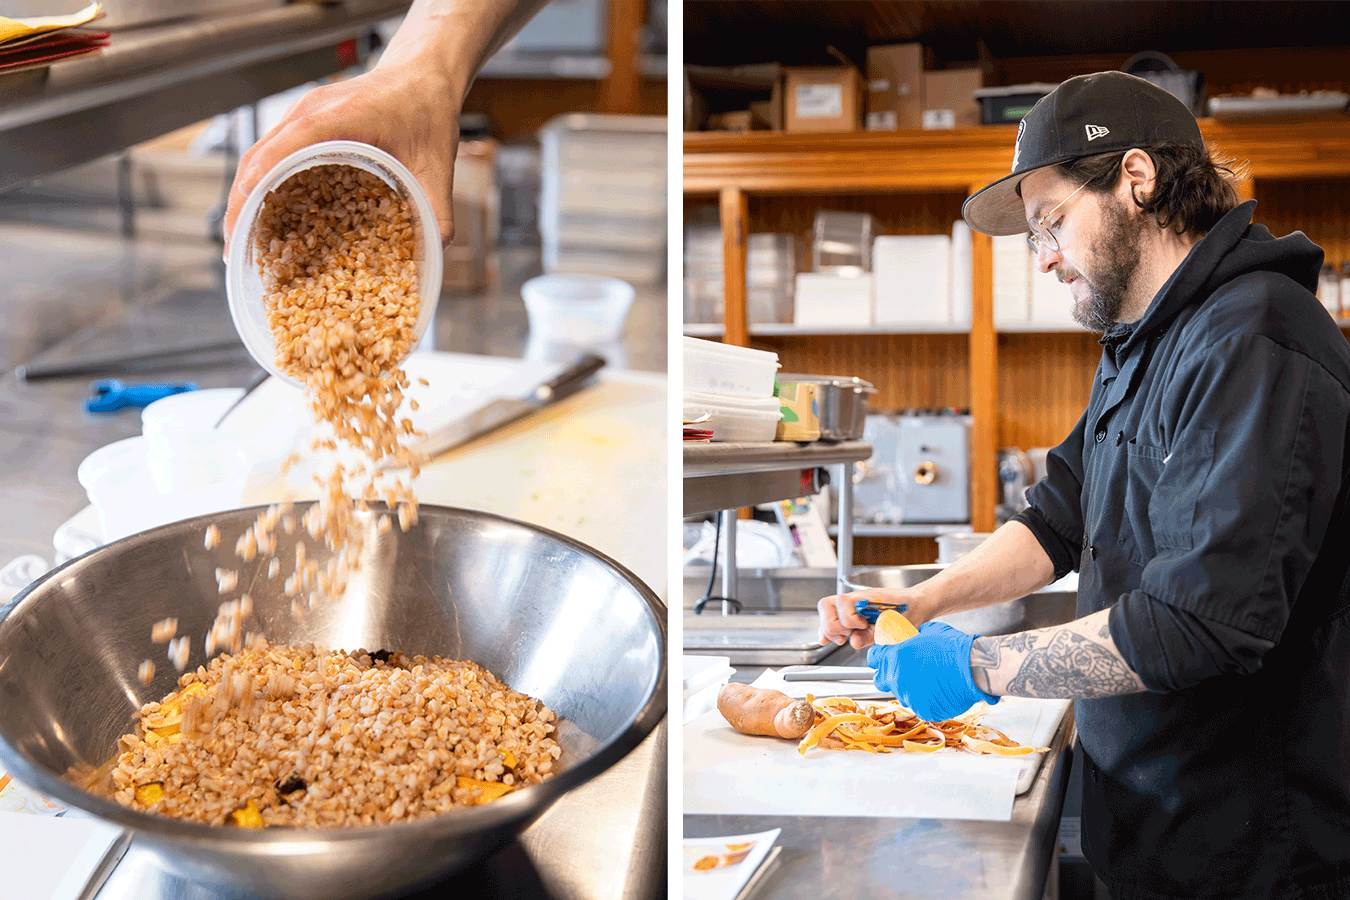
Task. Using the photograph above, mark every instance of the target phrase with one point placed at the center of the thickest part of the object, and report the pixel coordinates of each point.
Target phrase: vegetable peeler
(870, 609)
(110, 395)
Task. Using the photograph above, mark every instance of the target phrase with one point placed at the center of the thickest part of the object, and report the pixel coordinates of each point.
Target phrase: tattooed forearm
(1076, 660)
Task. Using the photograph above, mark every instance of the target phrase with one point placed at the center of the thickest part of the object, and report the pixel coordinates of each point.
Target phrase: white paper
(820, 101)
(710, 867)
(50, 858)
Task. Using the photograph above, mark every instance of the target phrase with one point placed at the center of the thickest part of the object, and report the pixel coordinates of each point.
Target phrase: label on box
(879, 85)
(819, 101)
(938, 119)
(882, 121)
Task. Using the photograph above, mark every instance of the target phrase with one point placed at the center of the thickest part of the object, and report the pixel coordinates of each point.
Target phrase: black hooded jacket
(1203, 497)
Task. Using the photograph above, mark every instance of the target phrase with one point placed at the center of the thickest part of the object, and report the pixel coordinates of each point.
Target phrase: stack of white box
(1025, 297)
(603, 198)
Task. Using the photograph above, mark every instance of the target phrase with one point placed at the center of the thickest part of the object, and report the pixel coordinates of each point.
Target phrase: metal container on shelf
(841, 404)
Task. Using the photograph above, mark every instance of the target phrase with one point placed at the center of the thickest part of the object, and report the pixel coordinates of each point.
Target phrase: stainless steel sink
(777, 623)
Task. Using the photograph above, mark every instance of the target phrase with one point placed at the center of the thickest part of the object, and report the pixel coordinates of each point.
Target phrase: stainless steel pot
(547, 615)
(841, 404)
(1039, 610)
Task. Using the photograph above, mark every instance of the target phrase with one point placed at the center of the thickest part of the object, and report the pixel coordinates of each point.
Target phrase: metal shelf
(786, 330)
(917, 529)
(150, 81)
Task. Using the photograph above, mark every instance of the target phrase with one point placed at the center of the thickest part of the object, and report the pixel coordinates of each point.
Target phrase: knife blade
(505, 410)
(826, 673)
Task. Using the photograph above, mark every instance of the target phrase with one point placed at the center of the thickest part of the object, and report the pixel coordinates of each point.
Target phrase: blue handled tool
(110, 395)
(870, 609)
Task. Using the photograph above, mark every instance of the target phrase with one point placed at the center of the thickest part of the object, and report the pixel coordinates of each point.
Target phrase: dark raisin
(291, 785)
(381, 656)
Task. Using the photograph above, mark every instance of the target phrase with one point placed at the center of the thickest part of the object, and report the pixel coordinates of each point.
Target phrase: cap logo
(1017, 148)
(1095, 131)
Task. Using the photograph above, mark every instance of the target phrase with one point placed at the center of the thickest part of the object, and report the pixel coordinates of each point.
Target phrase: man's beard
(1118, 243)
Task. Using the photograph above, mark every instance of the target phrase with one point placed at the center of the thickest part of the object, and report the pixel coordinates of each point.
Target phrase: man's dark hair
(1194, 190)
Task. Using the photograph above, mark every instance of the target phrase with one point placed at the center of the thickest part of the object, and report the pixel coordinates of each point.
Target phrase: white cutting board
(592, 466)
(729, 773)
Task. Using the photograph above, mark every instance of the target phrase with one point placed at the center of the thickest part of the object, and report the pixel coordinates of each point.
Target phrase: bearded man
(1202, 498)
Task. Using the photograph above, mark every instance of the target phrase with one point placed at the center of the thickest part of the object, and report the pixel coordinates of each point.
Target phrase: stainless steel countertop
(837, 857)
(605, 840)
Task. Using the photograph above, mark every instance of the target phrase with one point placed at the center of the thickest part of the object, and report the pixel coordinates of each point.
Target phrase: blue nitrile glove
(930, 672)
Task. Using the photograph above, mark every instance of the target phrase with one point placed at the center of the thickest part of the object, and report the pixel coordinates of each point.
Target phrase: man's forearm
(455, 37)
(1078, 660)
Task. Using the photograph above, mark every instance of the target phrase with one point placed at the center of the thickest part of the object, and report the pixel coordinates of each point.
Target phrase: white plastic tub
(577, 309)
(711, 367)
(703, 678)
(243, 282)
(735, 418)
(266, 440)
(134, 485)
(954, 545)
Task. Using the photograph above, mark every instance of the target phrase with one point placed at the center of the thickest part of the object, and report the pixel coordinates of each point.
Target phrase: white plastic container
(266, 439)
(133, 486)
(955, 545)
(735, 418)
(243, 283)
(703, 678)
(577, 309)
(711, 367)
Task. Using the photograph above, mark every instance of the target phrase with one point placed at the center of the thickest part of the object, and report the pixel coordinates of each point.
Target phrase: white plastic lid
(243, 282)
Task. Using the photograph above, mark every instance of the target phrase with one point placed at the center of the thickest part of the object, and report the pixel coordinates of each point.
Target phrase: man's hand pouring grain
(408, 104)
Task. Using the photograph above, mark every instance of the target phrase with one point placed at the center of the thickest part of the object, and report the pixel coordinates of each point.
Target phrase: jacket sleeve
(1246, 493)
(1054, 510)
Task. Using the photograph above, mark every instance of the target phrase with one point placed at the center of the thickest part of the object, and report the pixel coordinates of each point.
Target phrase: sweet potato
(753, 710)
(893, 628)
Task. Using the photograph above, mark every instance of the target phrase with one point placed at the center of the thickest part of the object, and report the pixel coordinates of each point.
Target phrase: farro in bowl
(548, 617)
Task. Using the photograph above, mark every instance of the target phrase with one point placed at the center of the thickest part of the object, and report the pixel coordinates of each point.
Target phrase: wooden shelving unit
(521, 95)
(1024, 387)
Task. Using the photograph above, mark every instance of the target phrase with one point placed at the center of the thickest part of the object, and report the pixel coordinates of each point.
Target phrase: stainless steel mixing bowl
(550, 617)
(1039, 610)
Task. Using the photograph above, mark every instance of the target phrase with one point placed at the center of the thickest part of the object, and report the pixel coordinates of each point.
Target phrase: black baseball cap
(1104, 112)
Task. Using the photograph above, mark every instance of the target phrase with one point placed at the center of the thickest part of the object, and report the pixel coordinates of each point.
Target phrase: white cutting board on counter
(592, 466)
(729, 773)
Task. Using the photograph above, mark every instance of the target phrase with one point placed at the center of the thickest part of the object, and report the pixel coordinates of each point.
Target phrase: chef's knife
(505, 410)
(826, 673)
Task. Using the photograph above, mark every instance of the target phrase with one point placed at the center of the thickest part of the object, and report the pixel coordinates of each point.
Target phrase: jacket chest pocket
(1163, 489)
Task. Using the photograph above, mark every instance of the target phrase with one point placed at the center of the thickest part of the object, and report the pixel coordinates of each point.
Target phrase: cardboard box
(894, 87)
(710, 90)
(800, 417)
(822, 99)
(948, 100)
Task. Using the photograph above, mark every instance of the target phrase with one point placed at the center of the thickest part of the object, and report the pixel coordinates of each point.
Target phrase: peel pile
(842, 724)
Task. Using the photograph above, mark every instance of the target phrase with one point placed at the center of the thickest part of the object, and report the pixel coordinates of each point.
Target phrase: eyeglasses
(1040, 235)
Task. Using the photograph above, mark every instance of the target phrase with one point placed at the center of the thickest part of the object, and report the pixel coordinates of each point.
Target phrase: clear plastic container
(134, 485)
(711, 367)
(735, 418)
(243, 283)
(841, 242)
(577, 309)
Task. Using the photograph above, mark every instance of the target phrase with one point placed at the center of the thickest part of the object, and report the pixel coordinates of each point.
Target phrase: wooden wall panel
(893, 551)
(1320, 208)
(908, 370)
(519, 107)
(1044, 381)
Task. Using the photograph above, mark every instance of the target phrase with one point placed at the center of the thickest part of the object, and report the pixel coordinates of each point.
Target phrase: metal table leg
(729, 586)
(845, 554)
